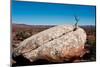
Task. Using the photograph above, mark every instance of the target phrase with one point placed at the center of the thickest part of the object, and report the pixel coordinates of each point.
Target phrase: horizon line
(54, 24)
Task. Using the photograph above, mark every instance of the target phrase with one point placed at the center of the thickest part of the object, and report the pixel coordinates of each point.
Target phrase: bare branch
(77, 20)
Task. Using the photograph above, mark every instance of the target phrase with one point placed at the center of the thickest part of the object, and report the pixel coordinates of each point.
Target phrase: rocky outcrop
(56, 44)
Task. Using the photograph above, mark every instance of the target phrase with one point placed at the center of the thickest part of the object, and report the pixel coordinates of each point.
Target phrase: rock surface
(57, 44)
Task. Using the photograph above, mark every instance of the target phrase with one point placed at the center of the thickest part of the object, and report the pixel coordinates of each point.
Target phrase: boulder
(57, 44)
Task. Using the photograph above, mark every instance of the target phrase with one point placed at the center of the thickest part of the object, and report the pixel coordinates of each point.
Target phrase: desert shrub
(91, 42)
(21, 35)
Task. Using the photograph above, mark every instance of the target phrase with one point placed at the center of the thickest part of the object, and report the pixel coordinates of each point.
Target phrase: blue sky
(35, 13)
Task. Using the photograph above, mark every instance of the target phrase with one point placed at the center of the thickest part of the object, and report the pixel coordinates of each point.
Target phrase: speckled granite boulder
(56, 44)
